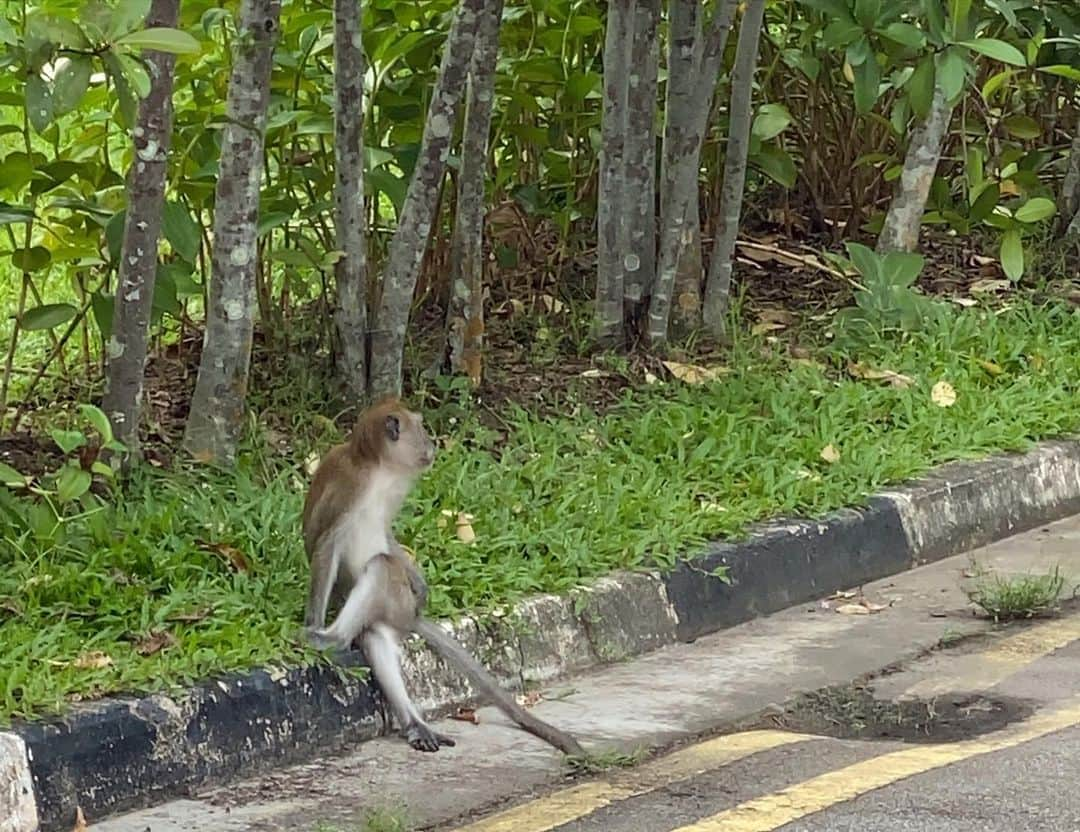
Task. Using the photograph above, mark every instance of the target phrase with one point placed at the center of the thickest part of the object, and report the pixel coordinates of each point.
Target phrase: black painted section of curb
(126, 754)
(782, 564)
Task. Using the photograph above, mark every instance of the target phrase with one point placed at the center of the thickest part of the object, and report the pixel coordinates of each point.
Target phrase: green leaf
(39, 103)
(1012, 254)
(840, 33)
(114, 234)
(72, 483)
(830, 8)
(68, 440)
(163, 40)
(12, 214)
(777, 164)
(771, 120)
(867, 85)
(900, 269)
(96, 417)
(268, 222)
(32, 259)
(136, 74)
(921, 87)
(905, 34)
(128, 15)
(1062, 70)
(985, 202)
(47, 316)
(181, 230)
(1022, 127)
(958, 12)
(951, 74)
(866, 261)
(71, 82)
(999, 50)
(102, 307)
(867, 12)
(1036, 209)
(995, 82)
(127, 102)
(10, 477)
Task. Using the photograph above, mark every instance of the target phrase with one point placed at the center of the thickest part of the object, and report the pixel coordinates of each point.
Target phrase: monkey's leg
(354, 615)
(383, 654)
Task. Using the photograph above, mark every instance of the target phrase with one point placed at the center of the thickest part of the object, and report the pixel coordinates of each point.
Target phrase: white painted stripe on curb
(18, 806)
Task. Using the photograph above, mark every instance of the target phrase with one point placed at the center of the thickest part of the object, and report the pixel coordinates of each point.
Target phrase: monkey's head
(391, 434)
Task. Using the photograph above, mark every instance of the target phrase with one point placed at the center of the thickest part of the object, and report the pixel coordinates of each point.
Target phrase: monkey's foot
(422, 738)
(320, 639)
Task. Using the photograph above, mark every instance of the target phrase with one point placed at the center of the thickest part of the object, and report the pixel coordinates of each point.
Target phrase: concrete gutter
(121, 754)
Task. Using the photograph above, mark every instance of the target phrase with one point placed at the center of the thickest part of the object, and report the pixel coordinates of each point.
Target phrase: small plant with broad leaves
(886, 299)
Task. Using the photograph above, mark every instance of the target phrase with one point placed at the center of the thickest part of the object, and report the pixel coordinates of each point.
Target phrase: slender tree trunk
(693, 67)
(612, 224)
(639, 256)
(410, 240)
(125, 354)
(1070, 189)
(350, 272)
(904, 217)
(718, 284)
(465, 314)
(217, 406)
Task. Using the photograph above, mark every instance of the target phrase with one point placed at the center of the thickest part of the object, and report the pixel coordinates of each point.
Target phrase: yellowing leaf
(992, 368)
(465, 531)
(93, 660)
(830, 454)
(895, 379)
(943, 394)
(766, 326)
(693, 374)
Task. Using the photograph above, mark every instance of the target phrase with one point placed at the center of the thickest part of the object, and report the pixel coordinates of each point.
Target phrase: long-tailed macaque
(354, 497)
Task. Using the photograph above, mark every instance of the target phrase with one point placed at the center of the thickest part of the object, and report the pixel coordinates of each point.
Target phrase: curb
(126, 753)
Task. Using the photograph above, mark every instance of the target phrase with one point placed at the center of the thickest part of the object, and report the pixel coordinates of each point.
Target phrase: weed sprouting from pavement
(1019, 597)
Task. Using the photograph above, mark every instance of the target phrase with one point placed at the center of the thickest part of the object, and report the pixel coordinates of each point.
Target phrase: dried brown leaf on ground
(858, 370)
(693, 373)
(154, 641)
(466, 715)
(943, 394)
(830, 454)
(230, 554)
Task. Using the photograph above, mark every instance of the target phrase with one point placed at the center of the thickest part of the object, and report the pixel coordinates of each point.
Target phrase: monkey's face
(408, 444)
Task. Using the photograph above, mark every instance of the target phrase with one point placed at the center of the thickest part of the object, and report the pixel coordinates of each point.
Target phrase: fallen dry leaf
(190, 617)
(650, 378)
(852, 609)
(965, 302)
(465, 531)
(230, 554)
(857, 370)
(311, 464)
(154, 641)
(762, 327)
(988, 286)
(943, 394)
(466, 715)
(80, 821)
(531, 698)
(93, 660)
(552, 304)
(694, 374)
(593, 373)
(830, 454)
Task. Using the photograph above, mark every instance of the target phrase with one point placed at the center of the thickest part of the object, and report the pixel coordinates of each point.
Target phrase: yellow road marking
(570, 804)
(984, 669)
(772, 811)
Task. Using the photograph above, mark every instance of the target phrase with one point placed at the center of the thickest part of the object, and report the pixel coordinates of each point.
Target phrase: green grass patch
(1010, 598)
(146, 593)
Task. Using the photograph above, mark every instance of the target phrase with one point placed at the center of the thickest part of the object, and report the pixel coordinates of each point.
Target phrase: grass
(601, 761)
(1019, 597)
(555, 502)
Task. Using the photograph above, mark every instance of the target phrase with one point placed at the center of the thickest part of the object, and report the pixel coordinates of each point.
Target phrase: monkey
(351, 504)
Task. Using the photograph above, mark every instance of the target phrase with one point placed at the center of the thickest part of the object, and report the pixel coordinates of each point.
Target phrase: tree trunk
(1070, 189)
(904, 217)
(350, 271)
(217, 406)
(611, 220)
(693, 67)
(125, 354)
(465, 313)
(410, 240)
(639, 206)
(718, 284)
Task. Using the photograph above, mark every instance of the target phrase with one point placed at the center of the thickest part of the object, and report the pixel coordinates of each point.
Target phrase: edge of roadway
(125, 753)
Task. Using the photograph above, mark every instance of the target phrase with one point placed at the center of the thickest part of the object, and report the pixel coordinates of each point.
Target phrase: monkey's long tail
(447, 647)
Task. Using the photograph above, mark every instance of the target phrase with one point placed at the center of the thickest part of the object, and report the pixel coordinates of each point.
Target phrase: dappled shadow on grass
(555, 499)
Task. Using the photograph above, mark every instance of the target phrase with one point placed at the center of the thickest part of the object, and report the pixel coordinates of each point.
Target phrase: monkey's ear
(393, 427)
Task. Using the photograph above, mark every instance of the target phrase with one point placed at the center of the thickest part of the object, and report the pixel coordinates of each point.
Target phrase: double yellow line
(1002, 658)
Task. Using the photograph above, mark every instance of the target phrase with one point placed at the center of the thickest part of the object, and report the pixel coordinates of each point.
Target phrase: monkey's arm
(457, 656)
(324, 569)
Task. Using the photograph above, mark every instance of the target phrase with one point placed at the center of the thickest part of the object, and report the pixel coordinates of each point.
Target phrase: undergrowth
(188, 572)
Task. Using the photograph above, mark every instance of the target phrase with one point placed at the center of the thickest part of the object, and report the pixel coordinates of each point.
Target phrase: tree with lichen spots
(217, 406)
(350, 271)
(410, 240)
(465, 312)
(126, 349)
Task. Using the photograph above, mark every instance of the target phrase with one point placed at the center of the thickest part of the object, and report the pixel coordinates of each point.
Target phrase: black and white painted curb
(120, 754)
